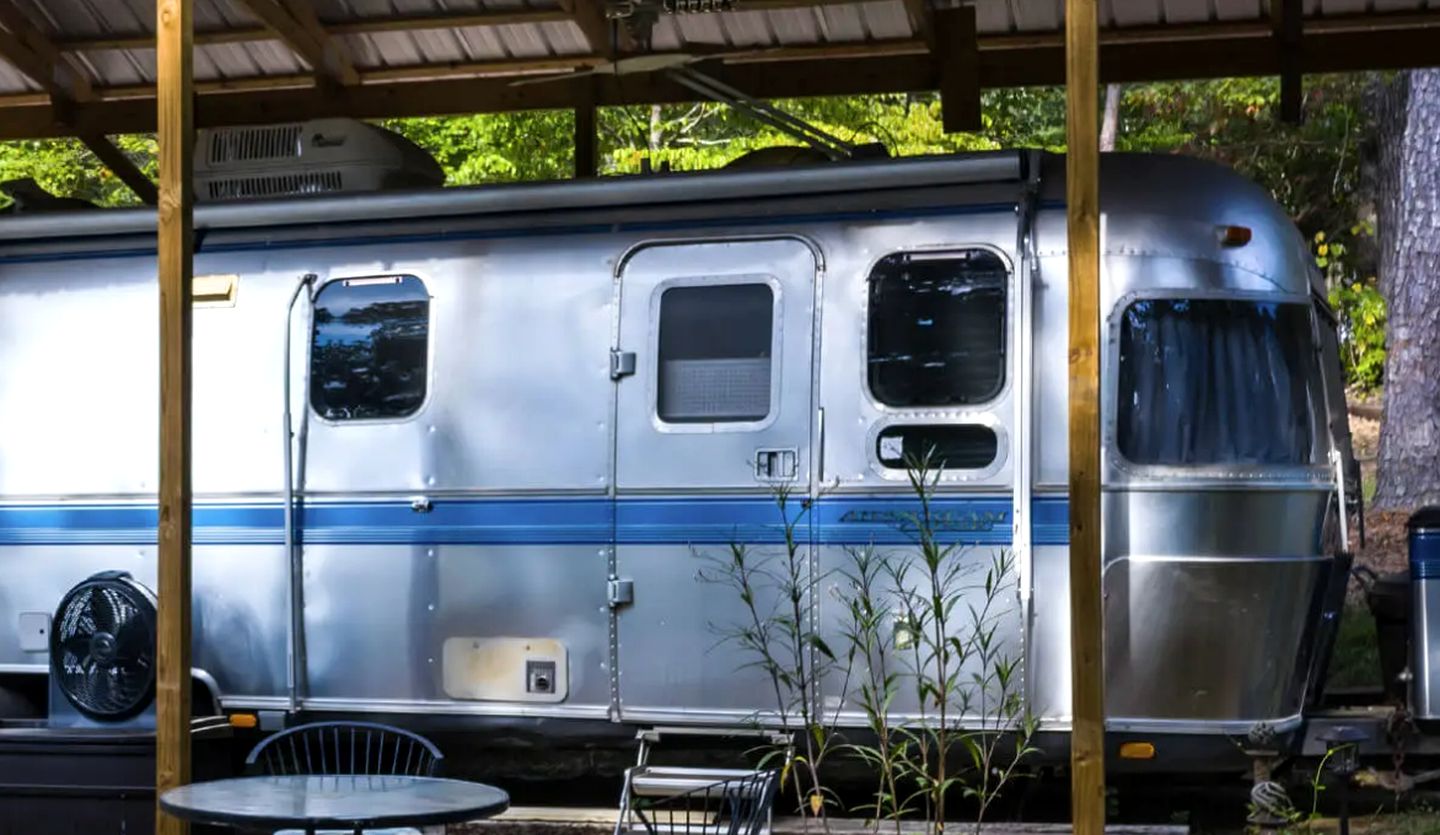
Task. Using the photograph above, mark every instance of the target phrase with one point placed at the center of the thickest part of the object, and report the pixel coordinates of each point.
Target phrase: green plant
(945, 644)
(1361, 311)
(869, 618)
(778, 630)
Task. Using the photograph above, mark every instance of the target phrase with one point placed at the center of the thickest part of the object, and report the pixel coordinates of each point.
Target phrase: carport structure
(94, 68)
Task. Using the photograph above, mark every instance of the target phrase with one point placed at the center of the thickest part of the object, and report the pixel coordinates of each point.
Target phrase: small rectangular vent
(274, 185)
(243, 144)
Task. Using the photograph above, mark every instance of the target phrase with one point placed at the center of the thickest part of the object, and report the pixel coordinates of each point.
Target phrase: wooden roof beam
(294, 21)
(1286, 16)
(1005, 61)
(31, 52)
(121, 166)
(957, 49)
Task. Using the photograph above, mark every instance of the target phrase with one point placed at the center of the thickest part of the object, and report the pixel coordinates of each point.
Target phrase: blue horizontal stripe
(836, 520)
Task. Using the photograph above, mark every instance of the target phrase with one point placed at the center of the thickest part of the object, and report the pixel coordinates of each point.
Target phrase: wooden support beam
(295, 23)
(587, 132)
(121, 166)
(957, 48)
(1289, 28)
(31, 52)
(1082, 212)
(175, 135)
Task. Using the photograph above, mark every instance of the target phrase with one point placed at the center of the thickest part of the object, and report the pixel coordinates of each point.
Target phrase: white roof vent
(321, 156)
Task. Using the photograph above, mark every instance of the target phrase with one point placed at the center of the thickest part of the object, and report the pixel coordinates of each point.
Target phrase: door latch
(622, 363)
(620, 592)
(776, 464)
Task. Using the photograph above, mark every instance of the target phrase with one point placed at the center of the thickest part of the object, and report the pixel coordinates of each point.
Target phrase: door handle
(776, 464)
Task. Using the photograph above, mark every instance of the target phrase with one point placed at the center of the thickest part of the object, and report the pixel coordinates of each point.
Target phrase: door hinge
(620, 592)
(622, 363)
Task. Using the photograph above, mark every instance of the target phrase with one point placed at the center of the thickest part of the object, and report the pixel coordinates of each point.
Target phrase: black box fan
(102, 654)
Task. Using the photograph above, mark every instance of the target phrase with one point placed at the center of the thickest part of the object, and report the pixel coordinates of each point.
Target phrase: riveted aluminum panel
(1197, 640)
(377, 618)
(985, 217)
(519, 340)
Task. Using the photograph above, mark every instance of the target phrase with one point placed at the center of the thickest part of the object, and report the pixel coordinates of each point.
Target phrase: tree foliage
(66, 167)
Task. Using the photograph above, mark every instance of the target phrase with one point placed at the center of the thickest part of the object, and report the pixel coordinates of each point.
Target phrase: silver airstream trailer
(456, 450)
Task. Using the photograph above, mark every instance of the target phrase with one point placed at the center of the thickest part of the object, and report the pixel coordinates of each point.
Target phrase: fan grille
(103, 646)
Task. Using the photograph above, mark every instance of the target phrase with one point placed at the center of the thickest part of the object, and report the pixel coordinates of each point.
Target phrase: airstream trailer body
(520, 416)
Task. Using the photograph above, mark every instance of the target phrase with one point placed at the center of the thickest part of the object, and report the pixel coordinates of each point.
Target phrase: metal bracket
(620, 592)
(622, 364)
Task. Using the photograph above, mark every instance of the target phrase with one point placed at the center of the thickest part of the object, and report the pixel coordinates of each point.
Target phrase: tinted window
(1216, 382)
(714, 362)
(371, 340)
(947, 447)
(937, 328)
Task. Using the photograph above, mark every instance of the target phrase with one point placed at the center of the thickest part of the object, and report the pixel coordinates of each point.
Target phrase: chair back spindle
(345, 748)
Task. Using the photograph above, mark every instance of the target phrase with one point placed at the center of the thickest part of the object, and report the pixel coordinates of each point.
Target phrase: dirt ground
(1384, 550)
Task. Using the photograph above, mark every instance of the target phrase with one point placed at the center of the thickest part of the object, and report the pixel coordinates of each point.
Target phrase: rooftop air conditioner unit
(321, 156)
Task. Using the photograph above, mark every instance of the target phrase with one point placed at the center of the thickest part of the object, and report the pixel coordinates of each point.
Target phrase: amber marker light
(1234, 235)
(243, 720)
(1137, 751)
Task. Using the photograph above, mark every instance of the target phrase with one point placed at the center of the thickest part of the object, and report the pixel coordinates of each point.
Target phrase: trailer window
(715, 353)
(963, 447)
(369, 348)
(936, 328)
(1216, 382)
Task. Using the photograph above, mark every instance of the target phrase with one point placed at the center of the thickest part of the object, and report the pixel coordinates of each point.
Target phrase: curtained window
(1216, 382)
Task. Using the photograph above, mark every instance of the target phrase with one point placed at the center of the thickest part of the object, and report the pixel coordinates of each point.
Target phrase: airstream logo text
(985, 520)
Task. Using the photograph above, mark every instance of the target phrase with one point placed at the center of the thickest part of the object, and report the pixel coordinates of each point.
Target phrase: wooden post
(1082, 196)
(174, 30)
(957, 48)
(1287, 16)
(587, 152)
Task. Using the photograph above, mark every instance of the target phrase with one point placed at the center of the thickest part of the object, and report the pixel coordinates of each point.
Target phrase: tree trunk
(1110, 124)
(1409, 241)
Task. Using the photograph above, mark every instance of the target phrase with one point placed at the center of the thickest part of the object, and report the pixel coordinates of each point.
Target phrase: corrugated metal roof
(488, 49)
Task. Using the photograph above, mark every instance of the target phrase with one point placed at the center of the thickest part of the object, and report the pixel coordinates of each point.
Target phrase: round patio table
(349, 801)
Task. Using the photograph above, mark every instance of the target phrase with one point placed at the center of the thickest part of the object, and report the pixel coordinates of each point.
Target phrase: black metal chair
(345, 748)
(668, 801)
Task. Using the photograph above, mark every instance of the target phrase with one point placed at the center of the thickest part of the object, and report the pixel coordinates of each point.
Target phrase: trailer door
(714, 416)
